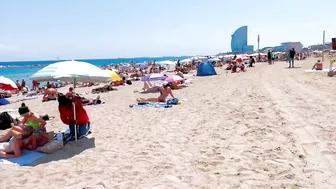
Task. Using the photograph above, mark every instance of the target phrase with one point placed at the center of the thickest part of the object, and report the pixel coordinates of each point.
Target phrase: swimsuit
(11, 140)
(35, 126)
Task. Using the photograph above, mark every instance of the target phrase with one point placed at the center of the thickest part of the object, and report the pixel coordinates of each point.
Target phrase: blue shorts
(82, 130)
(291, 60)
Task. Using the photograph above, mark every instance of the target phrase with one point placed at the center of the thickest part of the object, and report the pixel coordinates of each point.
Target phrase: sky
(80, 29)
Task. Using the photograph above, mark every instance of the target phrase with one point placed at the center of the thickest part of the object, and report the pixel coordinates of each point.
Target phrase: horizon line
(1, 61)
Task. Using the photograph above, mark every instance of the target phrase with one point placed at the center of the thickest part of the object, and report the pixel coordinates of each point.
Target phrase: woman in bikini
(30, 119)
(25, 140)
(165, 91)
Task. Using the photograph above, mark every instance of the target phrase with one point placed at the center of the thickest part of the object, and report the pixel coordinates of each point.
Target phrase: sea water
(25, 69)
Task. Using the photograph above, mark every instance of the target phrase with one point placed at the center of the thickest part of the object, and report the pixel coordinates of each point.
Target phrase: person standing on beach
(291, 56)
(269, 57)
(23, 83)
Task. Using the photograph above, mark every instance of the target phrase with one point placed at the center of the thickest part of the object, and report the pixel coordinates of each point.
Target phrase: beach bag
(5, 121)
(173, 101)
(51, 147)
(129, 82)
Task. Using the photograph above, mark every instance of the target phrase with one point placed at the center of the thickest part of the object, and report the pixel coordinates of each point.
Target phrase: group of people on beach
(28, 130)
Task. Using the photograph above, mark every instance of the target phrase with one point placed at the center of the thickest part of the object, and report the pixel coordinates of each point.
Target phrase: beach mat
(27, 157)
(150, 105)
(317, 71)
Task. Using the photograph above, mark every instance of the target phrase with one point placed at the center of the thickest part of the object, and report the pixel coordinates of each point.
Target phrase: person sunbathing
(31, 119)
(242, 67)
(25, 140)
(165, 91)
(229, 67)
(49, 94)
(179, 73)
(234, 68)
(95, 101)
(318, 65)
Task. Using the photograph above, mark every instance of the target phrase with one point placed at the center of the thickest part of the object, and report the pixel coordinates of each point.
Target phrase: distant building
(239, 41)
(284, 47)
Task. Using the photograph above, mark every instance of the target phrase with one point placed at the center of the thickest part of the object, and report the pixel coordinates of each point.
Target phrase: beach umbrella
(113, 75)
(7, 84)
(154, 77)
(186, 61)
(174, 78)
(166, 63)
(241, 57)
(73, 71)
(214, 60)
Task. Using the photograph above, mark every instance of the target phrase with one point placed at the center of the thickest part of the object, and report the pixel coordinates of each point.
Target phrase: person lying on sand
(103, 89)
(164, 93)
(95, 101)
(49, 94)
(6, 94)
(318, 65)
(24, 140)
(85, 101)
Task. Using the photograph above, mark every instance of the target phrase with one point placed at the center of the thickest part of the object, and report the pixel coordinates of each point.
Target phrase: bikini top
(35, 125)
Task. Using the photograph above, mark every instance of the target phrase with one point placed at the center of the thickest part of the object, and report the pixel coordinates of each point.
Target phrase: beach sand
(270, 127)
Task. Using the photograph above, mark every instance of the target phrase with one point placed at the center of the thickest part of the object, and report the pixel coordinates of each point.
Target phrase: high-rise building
(239, 41)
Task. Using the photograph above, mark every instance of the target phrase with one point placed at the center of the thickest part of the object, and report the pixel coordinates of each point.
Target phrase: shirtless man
(49, 94)
(164, 93)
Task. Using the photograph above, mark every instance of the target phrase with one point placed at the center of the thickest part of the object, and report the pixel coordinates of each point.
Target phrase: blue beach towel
(27, 158)
(151, 105)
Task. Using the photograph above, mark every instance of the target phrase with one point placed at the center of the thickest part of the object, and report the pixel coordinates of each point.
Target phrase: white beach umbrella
(166, 63)
(186, 61)
(214, 60)
(200, 58)
(72, 71)
(75, 71)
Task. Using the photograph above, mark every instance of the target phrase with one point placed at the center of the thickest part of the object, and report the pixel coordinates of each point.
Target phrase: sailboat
(58, 59)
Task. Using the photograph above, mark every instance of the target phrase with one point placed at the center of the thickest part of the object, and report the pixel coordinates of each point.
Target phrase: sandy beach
(270, 127)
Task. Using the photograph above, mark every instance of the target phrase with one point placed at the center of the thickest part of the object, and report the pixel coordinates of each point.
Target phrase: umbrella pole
(74, 108)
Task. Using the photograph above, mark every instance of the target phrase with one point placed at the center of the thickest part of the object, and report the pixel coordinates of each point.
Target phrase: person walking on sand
(291, 56)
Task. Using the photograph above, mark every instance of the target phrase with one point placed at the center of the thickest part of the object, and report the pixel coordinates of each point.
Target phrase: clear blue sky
(41, 29)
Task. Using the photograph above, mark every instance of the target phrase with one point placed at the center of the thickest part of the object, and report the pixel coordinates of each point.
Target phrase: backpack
(5, 121)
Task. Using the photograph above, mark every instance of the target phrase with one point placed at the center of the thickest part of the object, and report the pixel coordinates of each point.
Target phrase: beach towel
(151, 105)
(27, 158)
(316, 71)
